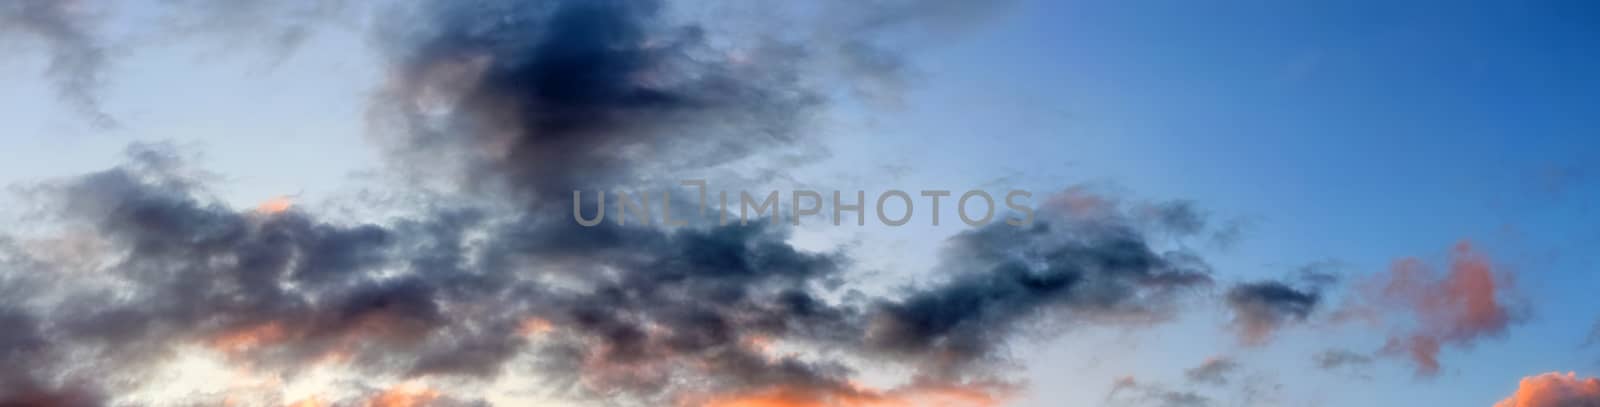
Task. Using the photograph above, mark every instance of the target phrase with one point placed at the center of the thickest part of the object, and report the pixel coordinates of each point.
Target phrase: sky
(1234, 203)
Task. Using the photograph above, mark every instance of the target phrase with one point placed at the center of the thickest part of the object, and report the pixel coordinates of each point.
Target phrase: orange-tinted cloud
(914, 395)
(248, 338)
(1461, 306)
(761, 344)
(275, 205)
(1554, 390)
(404, 395)
(312, 401)
(334, 344)
(535, 326)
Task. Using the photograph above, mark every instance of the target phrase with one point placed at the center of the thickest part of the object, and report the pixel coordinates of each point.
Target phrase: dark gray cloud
(624, 309)
(279, 291)
(1131, 392)
(720, 286)
(1218, 380)
(521, 103)
(78, 58)
(181, 269)
(1321, 275)
(1332, 359)
(1213, 371)
(1260, 308)
(535, 99)
(77, 36)
(1085, 269)
(553, 96)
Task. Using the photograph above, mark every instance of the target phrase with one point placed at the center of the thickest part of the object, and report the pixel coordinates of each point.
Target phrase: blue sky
(1358, 133)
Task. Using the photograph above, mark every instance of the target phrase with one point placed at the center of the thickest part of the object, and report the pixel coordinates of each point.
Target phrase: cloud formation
(1332, 359)
(522, 103)
(623, 309)
(1554, 390)
(1467, 303)
(1213, 371)
(1128, 391)
(1090, 266)
(519, 103)
(537, 99)
(915, 394)
(1260, 308)
(78, 59)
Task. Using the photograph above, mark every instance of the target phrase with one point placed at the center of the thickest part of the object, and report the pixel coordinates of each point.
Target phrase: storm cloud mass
(623, 310)
(518, 103)
(490, 114)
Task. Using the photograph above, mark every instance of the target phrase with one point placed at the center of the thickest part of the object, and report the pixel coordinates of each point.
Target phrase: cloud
(77, 58)
(1554, 390)
(1320, 274)
(1260, 308)
(1087, 267)
(275, 205)
(915, 394)
(520, 103)
(621, 310)
(1214, 371)
(1128, 391)
(187, 270)
(573, 95)
(1468, 303)
(279, 291)
(536, 99)
(1339, 358)
(76, 35)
